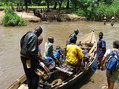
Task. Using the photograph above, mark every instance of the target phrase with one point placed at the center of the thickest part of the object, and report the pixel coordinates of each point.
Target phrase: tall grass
(10, 18)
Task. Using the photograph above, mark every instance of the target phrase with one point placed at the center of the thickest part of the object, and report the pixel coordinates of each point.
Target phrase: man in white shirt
(49, 48)
(111, 75)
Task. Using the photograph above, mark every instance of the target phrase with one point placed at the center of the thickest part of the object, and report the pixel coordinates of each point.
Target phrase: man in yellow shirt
(74, 53)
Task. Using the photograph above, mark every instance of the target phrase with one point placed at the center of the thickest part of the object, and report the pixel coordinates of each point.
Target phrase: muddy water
(10, 64)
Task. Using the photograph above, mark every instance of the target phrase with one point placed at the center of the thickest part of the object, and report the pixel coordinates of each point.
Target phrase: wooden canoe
(89, 43)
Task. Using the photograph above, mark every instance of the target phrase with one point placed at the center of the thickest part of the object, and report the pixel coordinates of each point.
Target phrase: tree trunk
(48, 4)
(75, 5)
(60, 4)
(55, 6)
(26, 5)
(67, 4)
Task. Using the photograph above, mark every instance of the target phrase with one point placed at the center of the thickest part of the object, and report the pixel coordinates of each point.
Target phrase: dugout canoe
(88, 42)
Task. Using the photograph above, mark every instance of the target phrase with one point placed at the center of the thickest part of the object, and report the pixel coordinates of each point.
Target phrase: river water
(10, 63)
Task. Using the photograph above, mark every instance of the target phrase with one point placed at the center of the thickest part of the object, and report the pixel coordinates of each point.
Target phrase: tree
(47, 1)
(26, 5)
(60, 4)
(55, 6)
(74, 2)
(67, 4)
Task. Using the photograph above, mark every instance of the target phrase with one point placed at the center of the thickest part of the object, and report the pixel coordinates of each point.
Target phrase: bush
(10, 18)
(97, 11)
(107, 10)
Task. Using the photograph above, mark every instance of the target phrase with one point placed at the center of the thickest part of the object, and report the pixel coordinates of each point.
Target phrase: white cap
(112, 17)
(105, 18)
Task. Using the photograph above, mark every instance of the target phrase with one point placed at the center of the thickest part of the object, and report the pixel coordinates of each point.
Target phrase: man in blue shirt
(101, 49)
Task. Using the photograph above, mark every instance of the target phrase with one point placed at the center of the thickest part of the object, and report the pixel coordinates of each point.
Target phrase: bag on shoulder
(112, 61)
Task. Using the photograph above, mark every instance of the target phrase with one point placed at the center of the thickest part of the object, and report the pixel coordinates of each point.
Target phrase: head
(72, 40)
(76, 31)
(116, 44)
(51, 39)
(40, 40)
(38, 30)
(100, 35)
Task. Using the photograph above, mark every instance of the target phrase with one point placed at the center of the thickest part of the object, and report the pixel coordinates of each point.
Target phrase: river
(10, 63)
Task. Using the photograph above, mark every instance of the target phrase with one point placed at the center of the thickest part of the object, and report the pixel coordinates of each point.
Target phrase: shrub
(96, 11)
(10, 18)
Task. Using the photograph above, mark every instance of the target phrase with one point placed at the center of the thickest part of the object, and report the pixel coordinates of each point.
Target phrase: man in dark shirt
(29, 56)
(73, 35)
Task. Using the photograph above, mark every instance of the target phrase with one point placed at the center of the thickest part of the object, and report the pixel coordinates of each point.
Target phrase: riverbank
(29, 17)
(98, 81)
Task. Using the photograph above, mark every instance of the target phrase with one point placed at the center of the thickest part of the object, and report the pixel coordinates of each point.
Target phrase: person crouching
(73, 53)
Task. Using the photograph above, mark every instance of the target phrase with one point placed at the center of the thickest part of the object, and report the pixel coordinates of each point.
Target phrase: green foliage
(94, 10)
(79, 12)
(10, 18)
(107, 10)
(63, 19)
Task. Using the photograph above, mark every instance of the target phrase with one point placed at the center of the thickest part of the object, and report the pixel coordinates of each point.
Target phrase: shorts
(114, 76)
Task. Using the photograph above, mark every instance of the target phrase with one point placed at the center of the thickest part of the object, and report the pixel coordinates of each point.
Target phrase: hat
(113, 18)
(105, 18)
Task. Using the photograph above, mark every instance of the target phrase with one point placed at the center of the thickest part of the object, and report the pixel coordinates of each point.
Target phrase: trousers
(32, 77)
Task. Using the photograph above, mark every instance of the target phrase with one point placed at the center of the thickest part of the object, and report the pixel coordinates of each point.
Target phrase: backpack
(112, 61)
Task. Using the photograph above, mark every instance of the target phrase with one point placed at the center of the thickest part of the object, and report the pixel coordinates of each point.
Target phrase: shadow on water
(84, 80)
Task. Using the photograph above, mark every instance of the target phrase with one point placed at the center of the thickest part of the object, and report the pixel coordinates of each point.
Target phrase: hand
(101, 68)
(42, 59)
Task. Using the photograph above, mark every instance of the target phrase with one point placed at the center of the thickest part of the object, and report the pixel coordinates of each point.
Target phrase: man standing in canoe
(101, 49)
(73, 35)
(29, 56)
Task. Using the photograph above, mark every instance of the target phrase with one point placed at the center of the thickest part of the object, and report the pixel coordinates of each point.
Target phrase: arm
(50, 51)
(102, 62)
(32, 48)
(103, 47)
(80, 54)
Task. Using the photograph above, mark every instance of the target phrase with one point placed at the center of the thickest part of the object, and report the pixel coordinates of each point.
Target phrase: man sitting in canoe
(49, 47)
(73, 35)
(74, 53)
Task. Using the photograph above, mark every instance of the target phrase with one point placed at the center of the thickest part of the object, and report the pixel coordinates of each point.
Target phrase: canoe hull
(88, 73)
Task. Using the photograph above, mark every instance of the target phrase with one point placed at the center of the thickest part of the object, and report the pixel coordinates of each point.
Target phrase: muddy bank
(28, 17)
(51, 16)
